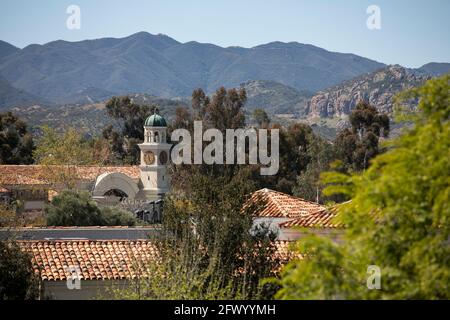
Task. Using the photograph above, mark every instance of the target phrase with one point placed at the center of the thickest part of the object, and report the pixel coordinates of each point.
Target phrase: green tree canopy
(16, 144)
(261, 117)
(208, 249)
(321, 154)
(131, 117)
(68, 148)
(76, 208)
(17, 278)
(223, 110)
(61, 153)
(398, 218)
(358, 144)
(294, 158)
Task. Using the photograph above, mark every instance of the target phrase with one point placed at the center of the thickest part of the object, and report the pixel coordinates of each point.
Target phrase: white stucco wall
(115, 180)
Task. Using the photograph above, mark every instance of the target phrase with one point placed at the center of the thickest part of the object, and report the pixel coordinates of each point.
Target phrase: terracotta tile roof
(281, 205)
(36, 174)
(104, 259)
(96, 259)
(150, 227)
(321, 219)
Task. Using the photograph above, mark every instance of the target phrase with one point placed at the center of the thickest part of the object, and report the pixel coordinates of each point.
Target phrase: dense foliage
(16, 143)
(61, 153)
(17, 278)
(76, 208)
(299, 146)
(398, 218)
(68, 148)
(208, 247)
(321, 154)
(358, 144)
(131, 117)
(261, 117)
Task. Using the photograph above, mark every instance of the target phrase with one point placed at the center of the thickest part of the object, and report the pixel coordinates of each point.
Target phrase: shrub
(76, 208)
(17, 279)
(117, 217)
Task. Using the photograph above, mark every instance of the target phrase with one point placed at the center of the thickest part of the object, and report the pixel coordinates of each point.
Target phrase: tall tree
(223, 110)
(131, 117)
(16, 144)
(61, 153)
(294, 158)
(357, 145)
(261, 117)
(208, 248)
(321, 154)
(68, 148)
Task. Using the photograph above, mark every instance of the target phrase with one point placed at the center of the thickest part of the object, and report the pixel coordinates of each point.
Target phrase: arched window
(116, 193)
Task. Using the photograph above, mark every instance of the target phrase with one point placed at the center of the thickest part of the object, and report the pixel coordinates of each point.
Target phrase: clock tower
(154, 158)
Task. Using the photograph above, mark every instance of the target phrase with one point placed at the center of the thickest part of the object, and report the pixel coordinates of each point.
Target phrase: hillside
(275, 98)
(161, 66)
(6, 49)
(90, 118)
(378, 88)
(85, 96)
(434, 68)
(11, 97)
(326, 111)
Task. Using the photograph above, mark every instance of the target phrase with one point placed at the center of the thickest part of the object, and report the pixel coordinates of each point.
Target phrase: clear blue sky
(412, 32)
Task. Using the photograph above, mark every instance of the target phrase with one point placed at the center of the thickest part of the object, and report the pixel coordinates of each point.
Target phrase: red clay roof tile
(325, 218)
(103, 259)
(37, 174)
(281, 205)
(95, 259)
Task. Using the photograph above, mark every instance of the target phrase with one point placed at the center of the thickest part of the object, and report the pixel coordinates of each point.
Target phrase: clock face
(149, 158)
(163, 157)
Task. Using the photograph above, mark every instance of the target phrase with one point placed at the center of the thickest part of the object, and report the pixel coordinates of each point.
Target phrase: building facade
(32, 185)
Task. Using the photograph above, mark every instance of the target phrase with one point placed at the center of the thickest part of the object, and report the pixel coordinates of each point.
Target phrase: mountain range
(161, 66)
(67, 83)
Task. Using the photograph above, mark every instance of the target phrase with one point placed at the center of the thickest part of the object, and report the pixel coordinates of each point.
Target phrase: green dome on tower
(155, 120)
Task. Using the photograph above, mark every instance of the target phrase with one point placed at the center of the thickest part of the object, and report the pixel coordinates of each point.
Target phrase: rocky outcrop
(377, 88)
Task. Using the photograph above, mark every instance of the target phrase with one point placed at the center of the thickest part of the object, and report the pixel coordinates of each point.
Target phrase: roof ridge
(153, 226)
(62, 165)
(292, 196)
(84, 240)
(278, 203)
